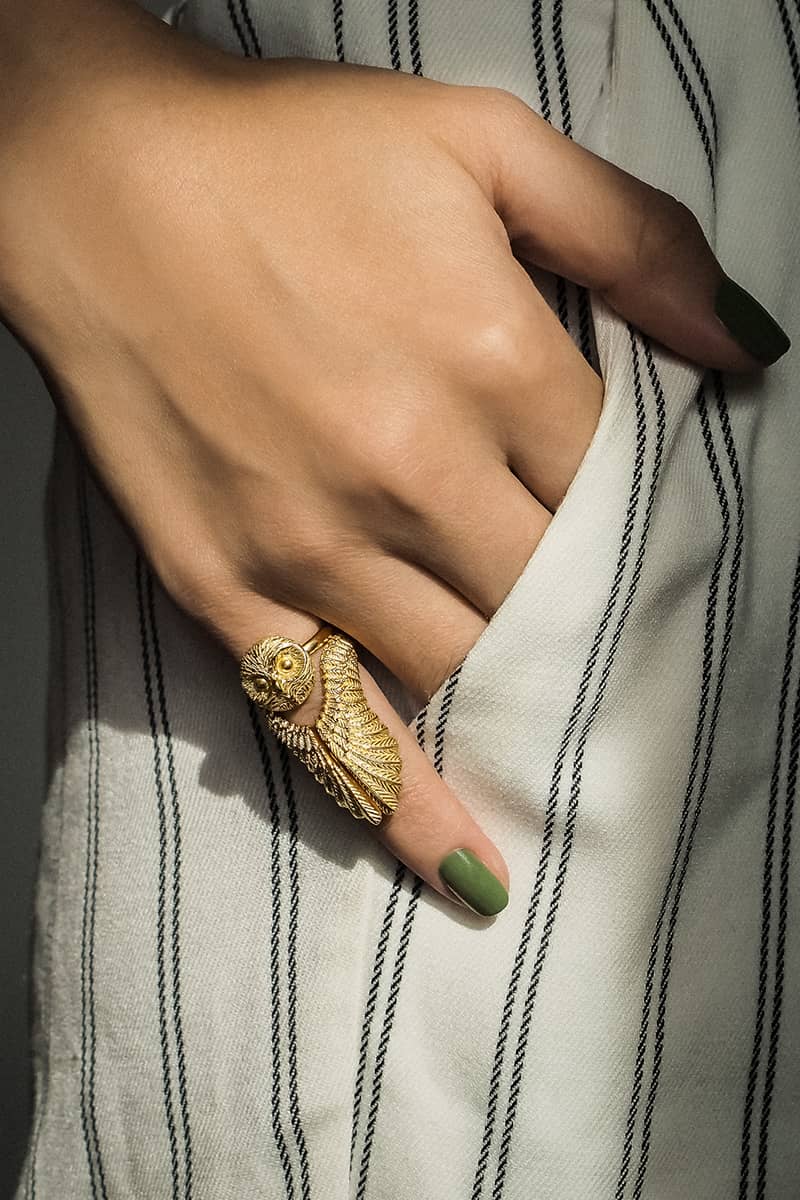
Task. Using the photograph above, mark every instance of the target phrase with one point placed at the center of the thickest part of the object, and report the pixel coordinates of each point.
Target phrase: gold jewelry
(347, 749)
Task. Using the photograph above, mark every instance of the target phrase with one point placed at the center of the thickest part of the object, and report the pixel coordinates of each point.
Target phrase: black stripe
(422, 717)
(274, 961)
(562, 306)
(444, 712)
(731, 604)
(377, 969)
(688, 90)
(732, 590)
(238, 29)
(791, 46)
(372, 996)
(584, 328)
(394, 43)
(248, 20)
(783, 908)
(697, 64)
(291, 968)
(777, 1003)
(561, 67)
(552, 801)
(386, 1033)
(338, 28)
(177, 1016)
(705, 691)
(539, 58)
(547, 836)
(584, 313)
(400, 957)
(766, 893)
(88, 1027)
(577, 771)
(161, 984)
(730, 608)
(413, 36)
(87, 1136)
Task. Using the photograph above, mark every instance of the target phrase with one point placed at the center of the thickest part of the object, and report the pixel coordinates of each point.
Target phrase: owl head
(277, 674)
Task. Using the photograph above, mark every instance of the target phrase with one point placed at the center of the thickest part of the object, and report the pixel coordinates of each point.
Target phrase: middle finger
(475, 529)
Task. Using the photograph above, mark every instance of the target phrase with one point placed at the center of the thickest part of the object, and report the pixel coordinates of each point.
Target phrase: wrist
(79, 81)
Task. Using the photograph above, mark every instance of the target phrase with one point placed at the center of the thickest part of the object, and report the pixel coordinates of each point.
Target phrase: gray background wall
(26, 422)
(26, 419)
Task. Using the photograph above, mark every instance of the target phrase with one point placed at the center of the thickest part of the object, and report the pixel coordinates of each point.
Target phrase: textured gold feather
(348, 749)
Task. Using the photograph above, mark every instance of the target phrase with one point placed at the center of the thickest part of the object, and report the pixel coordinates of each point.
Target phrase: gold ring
(347, 749)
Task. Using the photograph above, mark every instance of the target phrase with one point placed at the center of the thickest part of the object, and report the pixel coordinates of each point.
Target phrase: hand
(279, 305)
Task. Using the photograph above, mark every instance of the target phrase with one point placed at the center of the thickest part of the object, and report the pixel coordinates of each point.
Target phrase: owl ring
(347, 749)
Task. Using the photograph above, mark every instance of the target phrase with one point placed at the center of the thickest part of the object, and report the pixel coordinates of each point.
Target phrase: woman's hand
(278, 303)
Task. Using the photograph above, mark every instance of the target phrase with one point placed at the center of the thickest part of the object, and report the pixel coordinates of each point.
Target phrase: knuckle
(491, 121)
(313, 553)
(434, 677)
(200, 584)
(502, 105)
(421, 804)
(302, 553)
(662, 226)
(390, 463)
(205, 589)
(497, 351)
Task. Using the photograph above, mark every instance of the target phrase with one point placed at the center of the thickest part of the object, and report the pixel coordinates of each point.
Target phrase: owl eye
(261, 682)
(286, 664)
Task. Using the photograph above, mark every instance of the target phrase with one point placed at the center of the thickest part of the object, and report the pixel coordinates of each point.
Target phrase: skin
(285, 302)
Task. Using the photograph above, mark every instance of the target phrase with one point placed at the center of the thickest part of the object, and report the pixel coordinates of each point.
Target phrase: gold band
(347, 748)
(319, 637)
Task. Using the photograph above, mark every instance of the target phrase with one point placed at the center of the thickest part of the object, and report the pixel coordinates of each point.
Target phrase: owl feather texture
(347, 749)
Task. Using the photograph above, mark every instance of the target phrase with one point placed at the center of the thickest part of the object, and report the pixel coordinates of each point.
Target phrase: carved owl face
(277, 674)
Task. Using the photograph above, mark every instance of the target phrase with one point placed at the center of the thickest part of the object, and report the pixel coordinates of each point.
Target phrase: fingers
(550, 416)
(571, 212)
(429, 827)
(476, 534)
(480, 546)
(430, 824)
(415, 624)
(420, 602)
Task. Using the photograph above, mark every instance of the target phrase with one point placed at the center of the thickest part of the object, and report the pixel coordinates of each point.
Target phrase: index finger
(427, 827)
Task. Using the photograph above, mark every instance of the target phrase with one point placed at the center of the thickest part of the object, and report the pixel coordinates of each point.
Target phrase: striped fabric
(239, 993)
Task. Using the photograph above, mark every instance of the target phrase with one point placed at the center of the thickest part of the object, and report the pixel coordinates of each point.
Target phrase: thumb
(573, 213)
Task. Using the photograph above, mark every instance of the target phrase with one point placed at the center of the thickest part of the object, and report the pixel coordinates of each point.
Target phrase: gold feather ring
(347, 749)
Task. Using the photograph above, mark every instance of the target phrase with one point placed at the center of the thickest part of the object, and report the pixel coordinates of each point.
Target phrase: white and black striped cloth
(239, 992)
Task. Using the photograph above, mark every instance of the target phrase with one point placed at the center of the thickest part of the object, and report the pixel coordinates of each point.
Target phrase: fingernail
(750, 323)
(465, 875)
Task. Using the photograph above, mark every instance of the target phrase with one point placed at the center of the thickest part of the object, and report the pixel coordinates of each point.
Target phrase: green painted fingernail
(750, 323)
(463, 873)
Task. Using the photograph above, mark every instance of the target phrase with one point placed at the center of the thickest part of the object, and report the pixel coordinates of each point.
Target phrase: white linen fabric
(238, 991)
